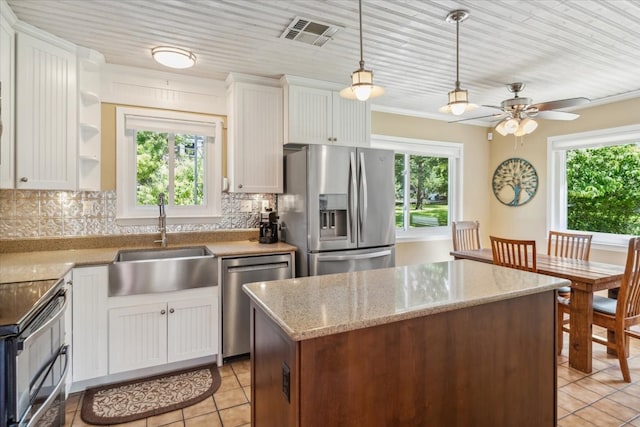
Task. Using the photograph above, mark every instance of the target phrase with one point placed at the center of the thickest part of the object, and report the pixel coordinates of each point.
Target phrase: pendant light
(362, 87)
(458, 98)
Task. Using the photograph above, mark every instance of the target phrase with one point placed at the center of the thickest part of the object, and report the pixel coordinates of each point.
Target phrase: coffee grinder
(268, 226)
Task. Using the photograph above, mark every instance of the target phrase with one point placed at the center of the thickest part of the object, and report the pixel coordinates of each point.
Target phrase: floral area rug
(146, 397)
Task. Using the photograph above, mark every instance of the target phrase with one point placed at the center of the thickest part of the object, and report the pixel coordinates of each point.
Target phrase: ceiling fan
(518, 113)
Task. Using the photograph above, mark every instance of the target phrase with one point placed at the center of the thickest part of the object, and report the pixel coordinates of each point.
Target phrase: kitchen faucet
(162, 222)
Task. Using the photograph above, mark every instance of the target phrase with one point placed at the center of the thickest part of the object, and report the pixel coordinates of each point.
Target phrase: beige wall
(529, 220)
(108, 146)
(476, 186)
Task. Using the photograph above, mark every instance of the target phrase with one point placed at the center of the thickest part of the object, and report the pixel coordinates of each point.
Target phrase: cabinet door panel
(46, 145)
(137, 337)
(310, 119)
(255, 139)
(89, 323)
(351, 122)
(192, 330)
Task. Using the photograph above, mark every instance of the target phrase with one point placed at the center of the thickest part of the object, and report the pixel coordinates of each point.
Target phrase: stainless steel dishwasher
(235, 303)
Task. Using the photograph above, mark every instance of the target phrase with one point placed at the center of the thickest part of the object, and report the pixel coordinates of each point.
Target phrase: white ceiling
(559, 48)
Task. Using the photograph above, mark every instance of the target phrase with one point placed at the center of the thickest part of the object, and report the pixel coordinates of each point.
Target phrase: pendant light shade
(362, 87)
(173, 57)
(458, 98)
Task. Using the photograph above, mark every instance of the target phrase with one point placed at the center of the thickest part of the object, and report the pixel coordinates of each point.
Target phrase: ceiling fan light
(173, 57)
(528, 125)
(511, 125)
(500, 128)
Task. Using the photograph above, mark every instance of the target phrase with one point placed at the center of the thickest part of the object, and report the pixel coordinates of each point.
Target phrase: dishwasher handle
(257, 267)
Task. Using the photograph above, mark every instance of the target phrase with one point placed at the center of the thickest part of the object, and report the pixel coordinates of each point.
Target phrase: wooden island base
(486, 365)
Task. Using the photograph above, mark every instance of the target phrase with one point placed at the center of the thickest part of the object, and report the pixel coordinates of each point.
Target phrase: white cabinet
(7, 97)
(89, 320)
(171, 327)
(255, 135)
(89, 119)
(46, 115)
(318, 115)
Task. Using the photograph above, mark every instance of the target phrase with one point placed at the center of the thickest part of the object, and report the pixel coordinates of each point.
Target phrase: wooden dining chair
(618, 315)
(567, 245)
(519, 254)
(466, 235)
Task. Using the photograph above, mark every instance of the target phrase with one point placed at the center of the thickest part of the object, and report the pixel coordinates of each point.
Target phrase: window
(427, 184)
(595, 183)
(177, 154)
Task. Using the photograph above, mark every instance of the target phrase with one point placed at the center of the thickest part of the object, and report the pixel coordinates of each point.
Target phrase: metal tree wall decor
(515, 182)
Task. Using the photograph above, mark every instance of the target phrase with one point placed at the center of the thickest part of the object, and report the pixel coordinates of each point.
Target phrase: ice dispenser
(333, 216)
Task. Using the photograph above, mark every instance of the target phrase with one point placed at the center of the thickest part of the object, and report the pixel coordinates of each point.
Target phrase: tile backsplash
(33, 213)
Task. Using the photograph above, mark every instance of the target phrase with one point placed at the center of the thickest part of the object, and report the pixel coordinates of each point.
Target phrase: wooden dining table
(586, 278)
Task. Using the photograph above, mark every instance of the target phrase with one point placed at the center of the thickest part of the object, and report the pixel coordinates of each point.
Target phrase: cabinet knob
(329, 139)
(335, 139)
(171, 310)
(239, 185)
(24, 179)
(163, 311)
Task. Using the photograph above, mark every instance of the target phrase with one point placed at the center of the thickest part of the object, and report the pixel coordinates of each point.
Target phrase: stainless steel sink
(146, 271)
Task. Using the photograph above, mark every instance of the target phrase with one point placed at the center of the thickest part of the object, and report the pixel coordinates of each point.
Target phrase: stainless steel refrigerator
(338, 209)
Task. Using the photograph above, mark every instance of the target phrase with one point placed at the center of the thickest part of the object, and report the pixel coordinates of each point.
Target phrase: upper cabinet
(7, 96)
(254, 148)
(46, 115)
(316, 114)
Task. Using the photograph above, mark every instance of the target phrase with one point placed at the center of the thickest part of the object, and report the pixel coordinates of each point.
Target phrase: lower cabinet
(166, 328)
(89, 323)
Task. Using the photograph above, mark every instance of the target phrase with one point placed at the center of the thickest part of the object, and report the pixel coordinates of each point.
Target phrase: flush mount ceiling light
(173, 57)
(458, 98)
(362, 87)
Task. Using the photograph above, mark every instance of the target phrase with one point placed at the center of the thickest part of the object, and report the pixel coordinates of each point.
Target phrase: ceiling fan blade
(555, 115)
(492, 116)
(561, 103)
(492, 106)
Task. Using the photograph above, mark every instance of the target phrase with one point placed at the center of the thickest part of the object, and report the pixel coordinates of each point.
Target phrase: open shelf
(89, 130)
(89, 98)
(89, 158)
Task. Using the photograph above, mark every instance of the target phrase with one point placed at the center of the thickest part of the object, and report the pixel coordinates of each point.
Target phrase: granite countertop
(53, 264)
(312, 307)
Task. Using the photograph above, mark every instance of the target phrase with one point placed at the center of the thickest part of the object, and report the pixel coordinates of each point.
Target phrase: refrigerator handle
(353, 191)
(363, 191)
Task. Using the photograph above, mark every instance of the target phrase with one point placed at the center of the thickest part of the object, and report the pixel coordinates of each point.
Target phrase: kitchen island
(457, 343)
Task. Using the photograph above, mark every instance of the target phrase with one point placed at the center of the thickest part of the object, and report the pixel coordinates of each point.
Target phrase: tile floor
(598, 399)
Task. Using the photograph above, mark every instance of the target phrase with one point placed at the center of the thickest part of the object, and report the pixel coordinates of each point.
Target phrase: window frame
(557, 146)
(127, 210)
(422, 147)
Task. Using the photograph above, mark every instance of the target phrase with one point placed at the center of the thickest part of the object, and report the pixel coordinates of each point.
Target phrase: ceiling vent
(309, 32)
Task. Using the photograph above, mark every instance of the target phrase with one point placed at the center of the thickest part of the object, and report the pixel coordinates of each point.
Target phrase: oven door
(46, 403)
(41, 368)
